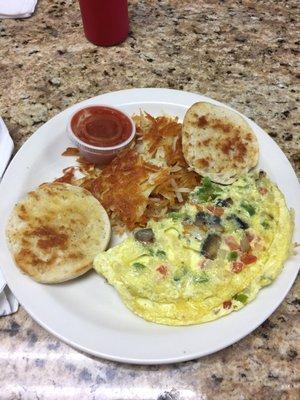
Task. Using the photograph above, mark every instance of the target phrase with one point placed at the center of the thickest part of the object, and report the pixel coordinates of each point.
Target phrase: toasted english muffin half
(55, 232)
(218, 143)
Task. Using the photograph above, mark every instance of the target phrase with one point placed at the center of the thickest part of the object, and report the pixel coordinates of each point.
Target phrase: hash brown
(145, 180)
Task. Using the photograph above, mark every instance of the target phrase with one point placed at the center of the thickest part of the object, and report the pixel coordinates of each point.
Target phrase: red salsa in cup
(101, 126)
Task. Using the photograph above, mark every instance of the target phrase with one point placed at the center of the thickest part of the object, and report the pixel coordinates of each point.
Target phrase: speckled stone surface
(243, 53)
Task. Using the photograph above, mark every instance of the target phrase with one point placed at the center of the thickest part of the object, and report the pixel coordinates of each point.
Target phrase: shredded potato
(145, 180)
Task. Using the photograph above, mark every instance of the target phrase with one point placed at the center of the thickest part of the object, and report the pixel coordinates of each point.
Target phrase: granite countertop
(243, 53)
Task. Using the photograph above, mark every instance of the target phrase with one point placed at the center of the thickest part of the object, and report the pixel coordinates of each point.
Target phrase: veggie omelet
(207, 259)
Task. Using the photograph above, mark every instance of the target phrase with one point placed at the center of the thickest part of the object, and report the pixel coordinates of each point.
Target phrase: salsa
(101, 126)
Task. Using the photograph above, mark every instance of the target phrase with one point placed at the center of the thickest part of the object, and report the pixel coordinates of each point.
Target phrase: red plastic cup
(105, 22)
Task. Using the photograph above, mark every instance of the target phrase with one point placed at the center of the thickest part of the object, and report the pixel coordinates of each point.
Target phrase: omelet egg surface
(207, 259)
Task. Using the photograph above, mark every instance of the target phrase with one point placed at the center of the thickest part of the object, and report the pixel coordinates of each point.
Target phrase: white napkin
(17, 8)
(8, 302)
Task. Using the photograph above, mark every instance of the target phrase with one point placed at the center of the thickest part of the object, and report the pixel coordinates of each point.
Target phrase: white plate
(87, 313)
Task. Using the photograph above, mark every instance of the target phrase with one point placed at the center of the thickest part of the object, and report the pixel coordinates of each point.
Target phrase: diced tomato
(218, 211)
(232, 243)
(162, 269)
(237, 266)
(227, 304)
(263, 190)
(248, 258)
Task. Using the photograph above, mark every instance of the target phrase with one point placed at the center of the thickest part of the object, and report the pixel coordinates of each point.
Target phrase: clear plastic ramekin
(95, 154)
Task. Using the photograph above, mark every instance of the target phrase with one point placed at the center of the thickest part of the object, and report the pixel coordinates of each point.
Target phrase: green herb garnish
(241, 297)
(232, 256)
(208, 191)
(200, 278)
(248, 207)
(161, 253)
(265, 224)
(138, 266)
(177, 215)
(180, 273)
(207, 183)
